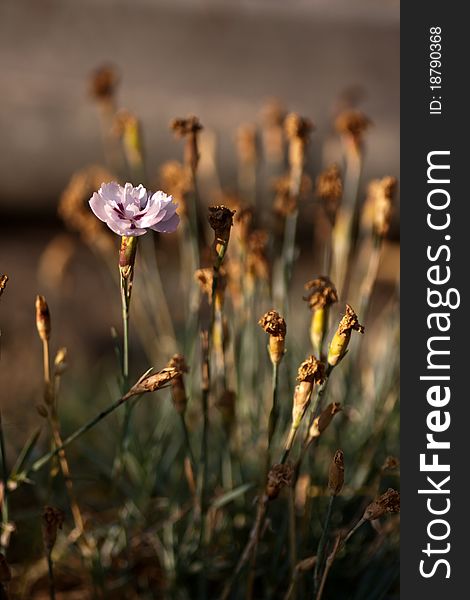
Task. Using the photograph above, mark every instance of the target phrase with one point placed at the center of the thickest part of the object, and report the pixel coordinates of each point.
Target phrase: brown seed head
(3, 283)
(243, 222)
(311, 370)
(352, 124)
(178, 390)
(298, 127)
(52, 520)
(103, 83)
(323, 420)
(257, 264)
(155, 382)
(183, 127)
(381, 193)
(43, 319)
(387, 502)
(336, 473)
(279, 476)
(221, 220)
(285, 203)
(349, 322)
(273, 324)
(391, 463)
(322, 292)
(328, 185)
(273, 113)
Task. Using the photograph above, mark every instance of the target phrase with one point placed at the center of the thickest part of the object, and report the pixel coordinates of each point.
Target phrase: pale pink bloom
(132, 210)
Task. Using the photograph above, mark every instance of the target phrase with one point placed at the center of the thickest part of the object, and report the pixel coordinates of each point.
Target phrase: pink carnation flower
(130, 210)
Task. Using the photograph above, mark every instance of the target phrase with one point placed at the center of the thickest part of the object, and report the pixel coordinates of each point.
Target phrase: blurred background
(217, 59)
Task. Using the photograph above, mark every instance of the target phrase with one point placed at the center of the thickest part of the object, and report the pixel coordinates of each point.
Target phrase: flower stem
(273, 415)
(321, 546)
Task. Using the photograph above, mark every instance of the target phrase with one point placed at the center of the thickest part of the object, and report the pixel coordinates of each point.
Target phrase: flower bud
(387, 502)
(178, 390)
(323, 420)
(336, 473)
(279, 476)
(339, 343)
(43, 319)
(221, 221)
(275, 326)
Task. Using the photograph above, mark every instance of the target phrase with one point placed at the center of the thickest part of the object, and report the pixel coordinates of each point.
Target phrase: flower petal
(167, 226)
(97, 205)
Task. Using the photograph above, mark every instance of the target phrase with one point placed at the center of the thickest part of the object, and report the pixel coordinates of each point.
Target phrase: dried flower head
(329, 185)
(52, 520)
(382, 192)
(352, 124)
(103, 83)
(391, 463)
(242, 224)
(336, 473)
(186, 126)
(387, 502)
(297, 127)
(43, 318)
(189, 129)
(322, 292)
(339, 343)
(311, 370)
(130, 211)
(221, 220)
(3, 283)
(155, 382)
(321, 422)
(257, 263)
(285, 203)
(275, 326)
(178, 390)
(279, 476)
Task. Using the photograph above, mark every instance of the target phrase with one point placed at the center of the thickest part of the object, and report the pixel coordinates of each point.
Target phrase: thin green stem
(321, 546)
(40, 462)
(274, 414)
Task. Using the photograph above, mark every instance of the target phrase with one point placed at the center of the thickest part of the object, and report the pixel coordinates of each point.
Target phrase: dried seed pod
(298, 130)
(43, 318)
(178, 390)
(391, 463)
(279, 476)
(339, 343)
(311, 371)
(321, 292)
(382, 193)
(174, 178)
(329, 185)
(52, 521)
(273, 115)
(3, 283)
(275, 326)
(189, 129)
(221, 221)
(155, 382)
(352, 124)
(103, 83)
(323, 420)
(387, 502)
(336, 473)
(247, 144)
